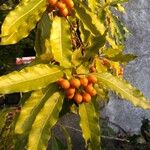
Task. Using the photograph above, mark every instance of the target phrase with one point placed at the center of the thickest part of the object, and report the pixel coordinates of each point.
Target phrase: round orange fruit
(75, 83)
(86, 97)
(78, 98)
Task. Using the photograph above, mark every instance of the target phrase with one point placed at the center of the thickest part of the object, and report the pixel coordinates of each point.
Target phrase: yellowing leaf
(30, 78)
(60, 42)
(89, 19)
(45, 120)
(89, 123)
(124, 89)
(22, 20)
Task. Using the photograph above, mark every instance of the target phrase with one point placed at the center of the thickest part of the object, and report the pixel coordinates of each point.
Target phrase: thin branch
(102, 136)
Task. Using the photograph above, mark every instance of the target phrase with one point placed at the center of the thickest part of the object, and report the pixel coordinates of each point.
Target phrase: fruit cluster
(79, 89)
(63, 6)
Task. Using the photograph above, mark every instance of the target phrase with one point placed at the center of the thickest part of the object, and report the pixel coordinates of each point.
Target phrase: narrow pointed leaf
(96, 44)
(30, 78)
(93, 4)
(124, 58)
(67, 136)
(57, 144)
(60, 41)
(22, 20)
(29, 111)
(124, 89)
(42, 33)
(3, 112)
(89, 19)
(89, 123)
(45, 120)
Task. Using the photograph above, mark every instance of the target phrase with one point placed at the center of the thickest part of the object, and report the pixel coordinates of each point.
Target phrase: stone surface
(137, 20)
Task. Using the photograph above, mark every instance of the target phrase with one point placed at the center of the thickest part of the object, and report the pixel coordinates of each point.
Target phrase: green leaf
(29, 111)
(111, 52)
(96, 43)
(67, 136)
(89, 123)
(115, 2)
(60, 41)
(124, 58)
(42, 33)
(124, 89)
(84, 34)
(20, 21)
(30, 78)
(57, 144)
(89, 19)
(45, 120)
(3, 112)
(77, 57)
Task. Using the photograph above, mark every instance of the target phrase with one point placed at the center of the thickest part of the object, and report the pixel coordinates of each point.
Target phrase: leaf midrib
(127, 93)
(44, 76)
(32, 9)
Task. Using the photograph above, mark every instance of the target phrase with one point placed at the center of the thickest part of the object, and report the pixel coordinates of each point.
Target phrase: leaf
(3, 113)
(20, 21)
(60, 42)
(84, 34)
(93, 4)
(68, 138)
(99, 66)
(42, 33)
(77, 57)
(29, 111)
(89, 19)
(96, 44)
(124, 89)
(124, 58)
(46, 119)
(115, 2)
(111, 52)
(89, 123)
(30, 78)
(121, 8)
(57, 144)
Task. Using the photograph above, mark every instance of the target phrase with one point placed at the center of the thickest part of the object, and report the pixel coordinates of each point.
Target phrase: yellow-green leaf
(124, 89)
(89, 123)
(60, 41)
(30, 78)
(20, 21)
(45, 120)
(43, 34)
(89, 19)
(29, 111)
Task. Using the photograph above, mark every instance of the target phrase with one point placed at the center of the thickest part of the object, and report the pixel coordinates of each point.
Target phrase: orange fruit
(69, 3)
(52, 2)
(70, 96)
(89, 88)
(75, 83)
(64, 12)
(70, 91)
(92, 69)
(93, 92)
(78, 98)
(60, 5)
(59, 81)
(64, 84)
(84, 81)
(86, 97)
(92, 79)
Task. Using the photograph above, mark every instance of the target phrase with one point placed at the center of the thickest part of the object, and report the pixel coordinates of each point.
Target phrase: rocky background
(137, 20)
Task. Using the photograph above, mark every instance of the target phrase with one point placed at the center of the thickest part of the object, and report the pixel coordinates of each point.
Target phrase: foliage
(74, 40)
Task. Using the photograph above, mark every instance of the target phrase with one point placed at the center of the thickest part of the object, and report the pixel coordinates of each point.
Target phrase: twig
(102, 136)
